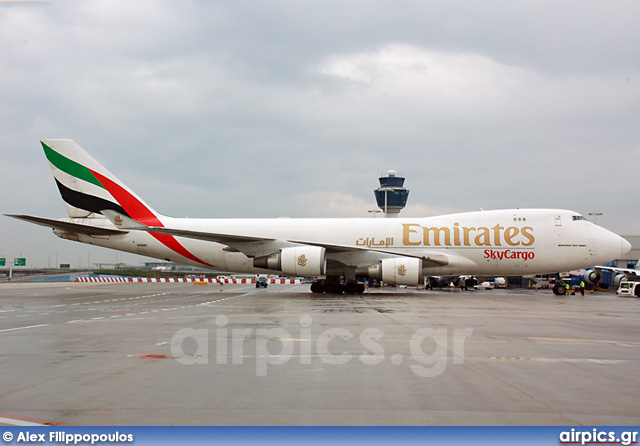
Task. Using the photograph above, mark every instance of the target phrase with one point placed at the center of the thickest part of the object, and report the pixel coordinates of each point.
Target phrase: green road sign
(19, 261)
(3, 262)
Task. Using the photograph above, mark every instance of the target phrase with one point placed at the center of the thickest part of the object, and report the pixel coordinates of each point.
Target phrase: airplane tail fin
(88, 188)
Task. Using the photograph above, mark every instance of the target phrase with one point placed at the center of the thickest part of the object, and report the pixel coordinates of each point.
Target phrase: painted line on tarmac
(96, 319)
(561, 360)
(24, 328)
(206, 304)
(17, 420)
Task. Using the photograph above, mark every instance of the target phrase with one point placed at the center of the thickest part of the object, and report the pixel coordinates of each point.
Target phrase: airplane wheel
(559, 290)
(360, 288)
(333, 288)
(330, 287)
(316, 287)
(350, 288)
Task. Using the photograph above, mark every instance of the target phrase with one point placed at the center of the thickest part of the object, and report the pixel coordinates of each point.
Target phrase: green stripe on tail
(69, 166)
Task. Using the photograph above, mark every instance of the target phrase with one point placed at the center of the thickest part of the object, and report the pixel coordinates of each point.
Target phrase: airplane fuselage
(504, 242)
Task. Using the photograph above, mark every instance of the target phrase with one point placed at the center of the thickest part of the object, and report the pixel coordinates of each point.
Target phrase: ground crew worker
(566, 286)
(582, 287)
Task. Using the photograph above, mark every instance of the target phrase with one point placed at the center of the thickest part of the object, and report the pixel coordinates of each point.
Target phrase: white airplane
(337, 252)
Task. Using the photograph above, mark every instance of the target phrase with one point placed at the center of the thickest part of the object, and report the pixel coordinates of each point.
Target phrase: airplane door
(558, 220)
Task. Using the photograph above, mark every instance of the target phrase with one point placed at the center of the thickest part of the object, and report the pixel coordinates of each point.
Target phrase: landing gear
(470, 283)
(316, 287)
(350, 288)
(559, 289)
(335, 286)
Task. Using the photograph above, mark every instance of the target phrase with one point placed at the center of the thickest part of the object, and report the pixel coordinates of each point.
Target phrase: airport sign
(3, 262)
(19, 261)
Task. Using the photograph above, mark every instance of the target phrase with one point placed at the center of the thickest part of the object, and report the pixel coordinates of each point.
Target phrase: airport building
(631, 258)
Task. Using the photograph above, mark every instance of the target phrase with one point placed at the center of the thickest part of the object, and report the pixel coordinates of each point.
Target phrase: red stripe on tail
(142, 214)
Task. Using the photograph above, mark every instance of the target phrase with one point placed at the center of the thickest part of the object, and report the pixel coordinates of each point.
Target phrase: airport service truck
(628, 288)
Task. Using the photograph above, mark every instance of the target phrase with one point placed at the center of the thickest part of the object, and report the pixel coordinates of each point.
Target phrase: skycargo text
(508, 254)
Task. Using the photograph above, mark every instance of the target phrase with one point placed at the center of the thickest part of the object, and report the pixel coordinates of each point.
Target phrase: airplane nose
(609, 246)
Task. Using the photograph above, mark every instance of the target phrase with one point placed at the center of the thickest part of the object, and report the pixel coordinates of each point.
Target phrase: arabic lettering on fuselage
(371, 242)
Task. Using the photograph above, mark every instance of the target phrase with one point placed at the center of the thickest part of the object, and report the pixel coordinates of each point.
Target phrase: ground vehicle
(628, 288)
(485, 286)
(261, 282)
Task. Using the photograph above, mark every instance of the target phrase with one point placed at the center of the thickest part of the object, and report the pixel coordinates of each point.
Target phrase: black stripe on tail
(87, 202)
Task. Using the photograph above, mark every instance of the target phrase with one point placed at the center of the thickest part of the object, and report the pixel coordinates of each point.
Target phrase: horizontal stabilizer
(68, 226)
(122, 221)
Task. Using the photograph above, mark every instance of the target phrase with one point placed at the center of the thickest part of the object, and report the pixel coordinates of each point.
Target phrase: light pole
(595, 216)
(374, 212)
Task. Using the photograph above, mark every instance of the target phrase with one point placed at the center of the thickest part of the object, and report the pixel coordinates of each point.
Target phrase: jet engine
(592, 277)
(617, 279)
(296, 261)
(396, 271)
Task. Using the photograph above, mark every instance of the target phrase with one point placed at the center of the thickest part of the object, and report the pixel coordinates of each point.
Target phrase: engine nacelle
(396, 271)
(617, 279)
(296, 261)
(592, 277)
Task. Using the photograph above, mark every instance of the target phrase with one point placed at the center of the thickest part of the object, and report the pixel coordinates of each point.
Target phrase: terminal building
(631, 258)
(391, 196)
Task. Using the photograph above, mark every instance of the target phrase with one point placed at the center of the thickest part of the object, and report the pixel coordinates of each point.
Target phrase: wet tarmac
(181, 354)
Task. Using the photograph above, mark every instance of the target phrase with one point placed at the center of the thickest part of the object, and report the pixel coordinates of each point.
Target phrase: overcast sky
(269, 109)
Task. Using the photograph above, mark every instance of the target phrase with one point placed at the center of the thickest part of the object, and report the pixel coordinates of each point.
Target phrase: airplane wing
(225, 239)
(68, 226)
(630, 273)
(239, 242)
(434, 258)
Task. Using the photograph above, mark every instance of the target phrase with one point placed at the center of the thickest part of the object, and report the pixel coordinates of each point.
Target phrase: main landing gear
(559, 289)
(335, 286)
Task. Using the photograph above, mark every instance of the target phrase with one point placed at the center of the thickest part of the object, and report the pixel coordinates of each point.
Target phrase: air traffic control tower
(391, 195)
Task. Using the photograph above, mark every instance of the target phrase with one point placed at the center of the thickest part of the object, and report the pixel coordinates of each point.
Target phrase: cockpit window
(578, 217)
